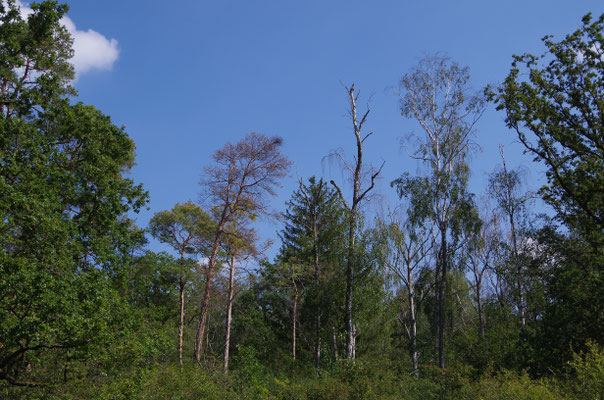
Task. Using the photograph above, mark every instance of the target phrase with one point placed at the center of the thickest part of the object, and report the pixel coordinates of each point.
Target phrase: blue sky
(190, 75)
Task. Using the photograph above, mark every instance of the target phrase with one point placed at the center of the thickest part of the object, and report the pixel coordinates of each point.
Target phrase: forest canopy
(448, 294)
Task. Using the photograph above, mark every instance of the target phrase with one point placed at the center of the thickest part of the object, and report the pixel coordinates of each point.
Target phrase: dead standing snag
(239, 182)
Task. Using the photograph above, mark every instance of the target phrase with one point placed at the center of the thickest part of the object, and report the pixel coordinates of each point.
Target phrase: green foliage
(569, 270)
(587, 381)
(65, 239)
(86, 312)
(554, 102)
(34, 64)
(186, 228)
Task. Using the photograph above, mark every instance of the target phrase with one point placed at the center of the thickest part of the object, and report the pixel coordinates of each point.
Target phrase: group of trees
(444, 278)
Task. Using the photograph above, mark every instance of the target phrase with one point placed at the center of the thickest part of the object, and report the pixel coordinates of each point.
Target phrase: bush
(588, 371)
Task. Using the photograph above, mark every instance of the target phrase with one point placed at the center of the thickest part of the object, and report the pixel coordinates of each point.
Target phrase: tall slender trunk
(181, 317)
(511, 212)
(350, 333)
(436, 316)
(181, 308)
(317, 287)
(227, 336)
(334, 344)
(479, 305)
(412, 322)
(205, 305)
(441, 299)
(357, 197)
(521, 300)
(294, 318)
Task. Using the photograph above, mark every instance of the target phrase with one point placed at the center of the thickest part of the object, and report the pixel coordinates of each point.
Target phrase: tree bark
(181, 308)
(479, 305)
(357, 197)
(436, 316)
(511, 210)
(350, 341)
(334, 344)
(441, 299)
(317, 287)
(294, 318)
(227, 336)
(205, 305)
(181, 320)
(412, 322)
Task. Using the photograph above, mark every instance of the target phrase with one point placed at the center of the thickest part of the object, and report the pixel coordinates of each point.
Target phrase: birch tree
(409, 247)
(438, 96)
(505, 187)
(481, 244)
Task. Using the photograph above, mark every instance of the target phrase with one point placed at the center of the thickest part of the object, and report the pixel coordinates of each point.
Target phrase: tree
(409, 246)
(64, 232)
(245, 174)
(480, 242)
(239, 245)
(505, 188)
(187, 229)
(554, 103)
(438, 96)
(35, 72)
(311, 227)
(358, 195)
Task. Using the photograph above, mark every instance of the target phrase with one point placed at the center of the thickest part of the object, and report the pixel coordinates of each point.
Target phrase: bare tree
(358, 194)
(244, 175)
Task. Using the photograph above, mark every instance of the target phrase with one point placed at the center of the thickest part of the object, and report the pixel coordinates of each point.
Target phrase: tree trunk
(412, 322)
(227, 336)
(205, 305)
(317, 287)
(294, 317)
(511, 212)
(350, 340)
(521, 300)
(334, 344)
(181, 318)
(441, 299)
(436, 309)
(357, 197)
(479, 305)
(181, 308)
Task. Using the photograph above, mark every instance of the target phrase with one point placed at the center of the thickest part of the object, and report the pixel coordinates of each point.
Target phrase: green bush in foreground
(345, 381)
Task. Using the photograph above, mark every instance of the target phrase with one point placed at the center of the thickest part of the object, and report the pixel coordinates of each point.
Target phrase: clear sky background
(186, 77)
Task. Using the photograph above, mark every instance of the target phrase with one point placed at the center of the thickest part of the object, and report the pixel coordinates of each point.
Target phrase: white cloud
(91, 49)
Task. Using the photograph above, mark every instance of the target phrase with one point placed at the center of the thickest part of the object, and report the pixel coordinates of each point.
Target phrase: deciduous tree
(187, 229)
(554, 103)
(438, 96)
(244, 175)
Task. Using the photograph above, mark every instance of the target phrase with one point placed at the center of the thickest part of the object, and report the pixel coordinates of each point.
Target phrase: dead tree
(239, 182)
(358, 194)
